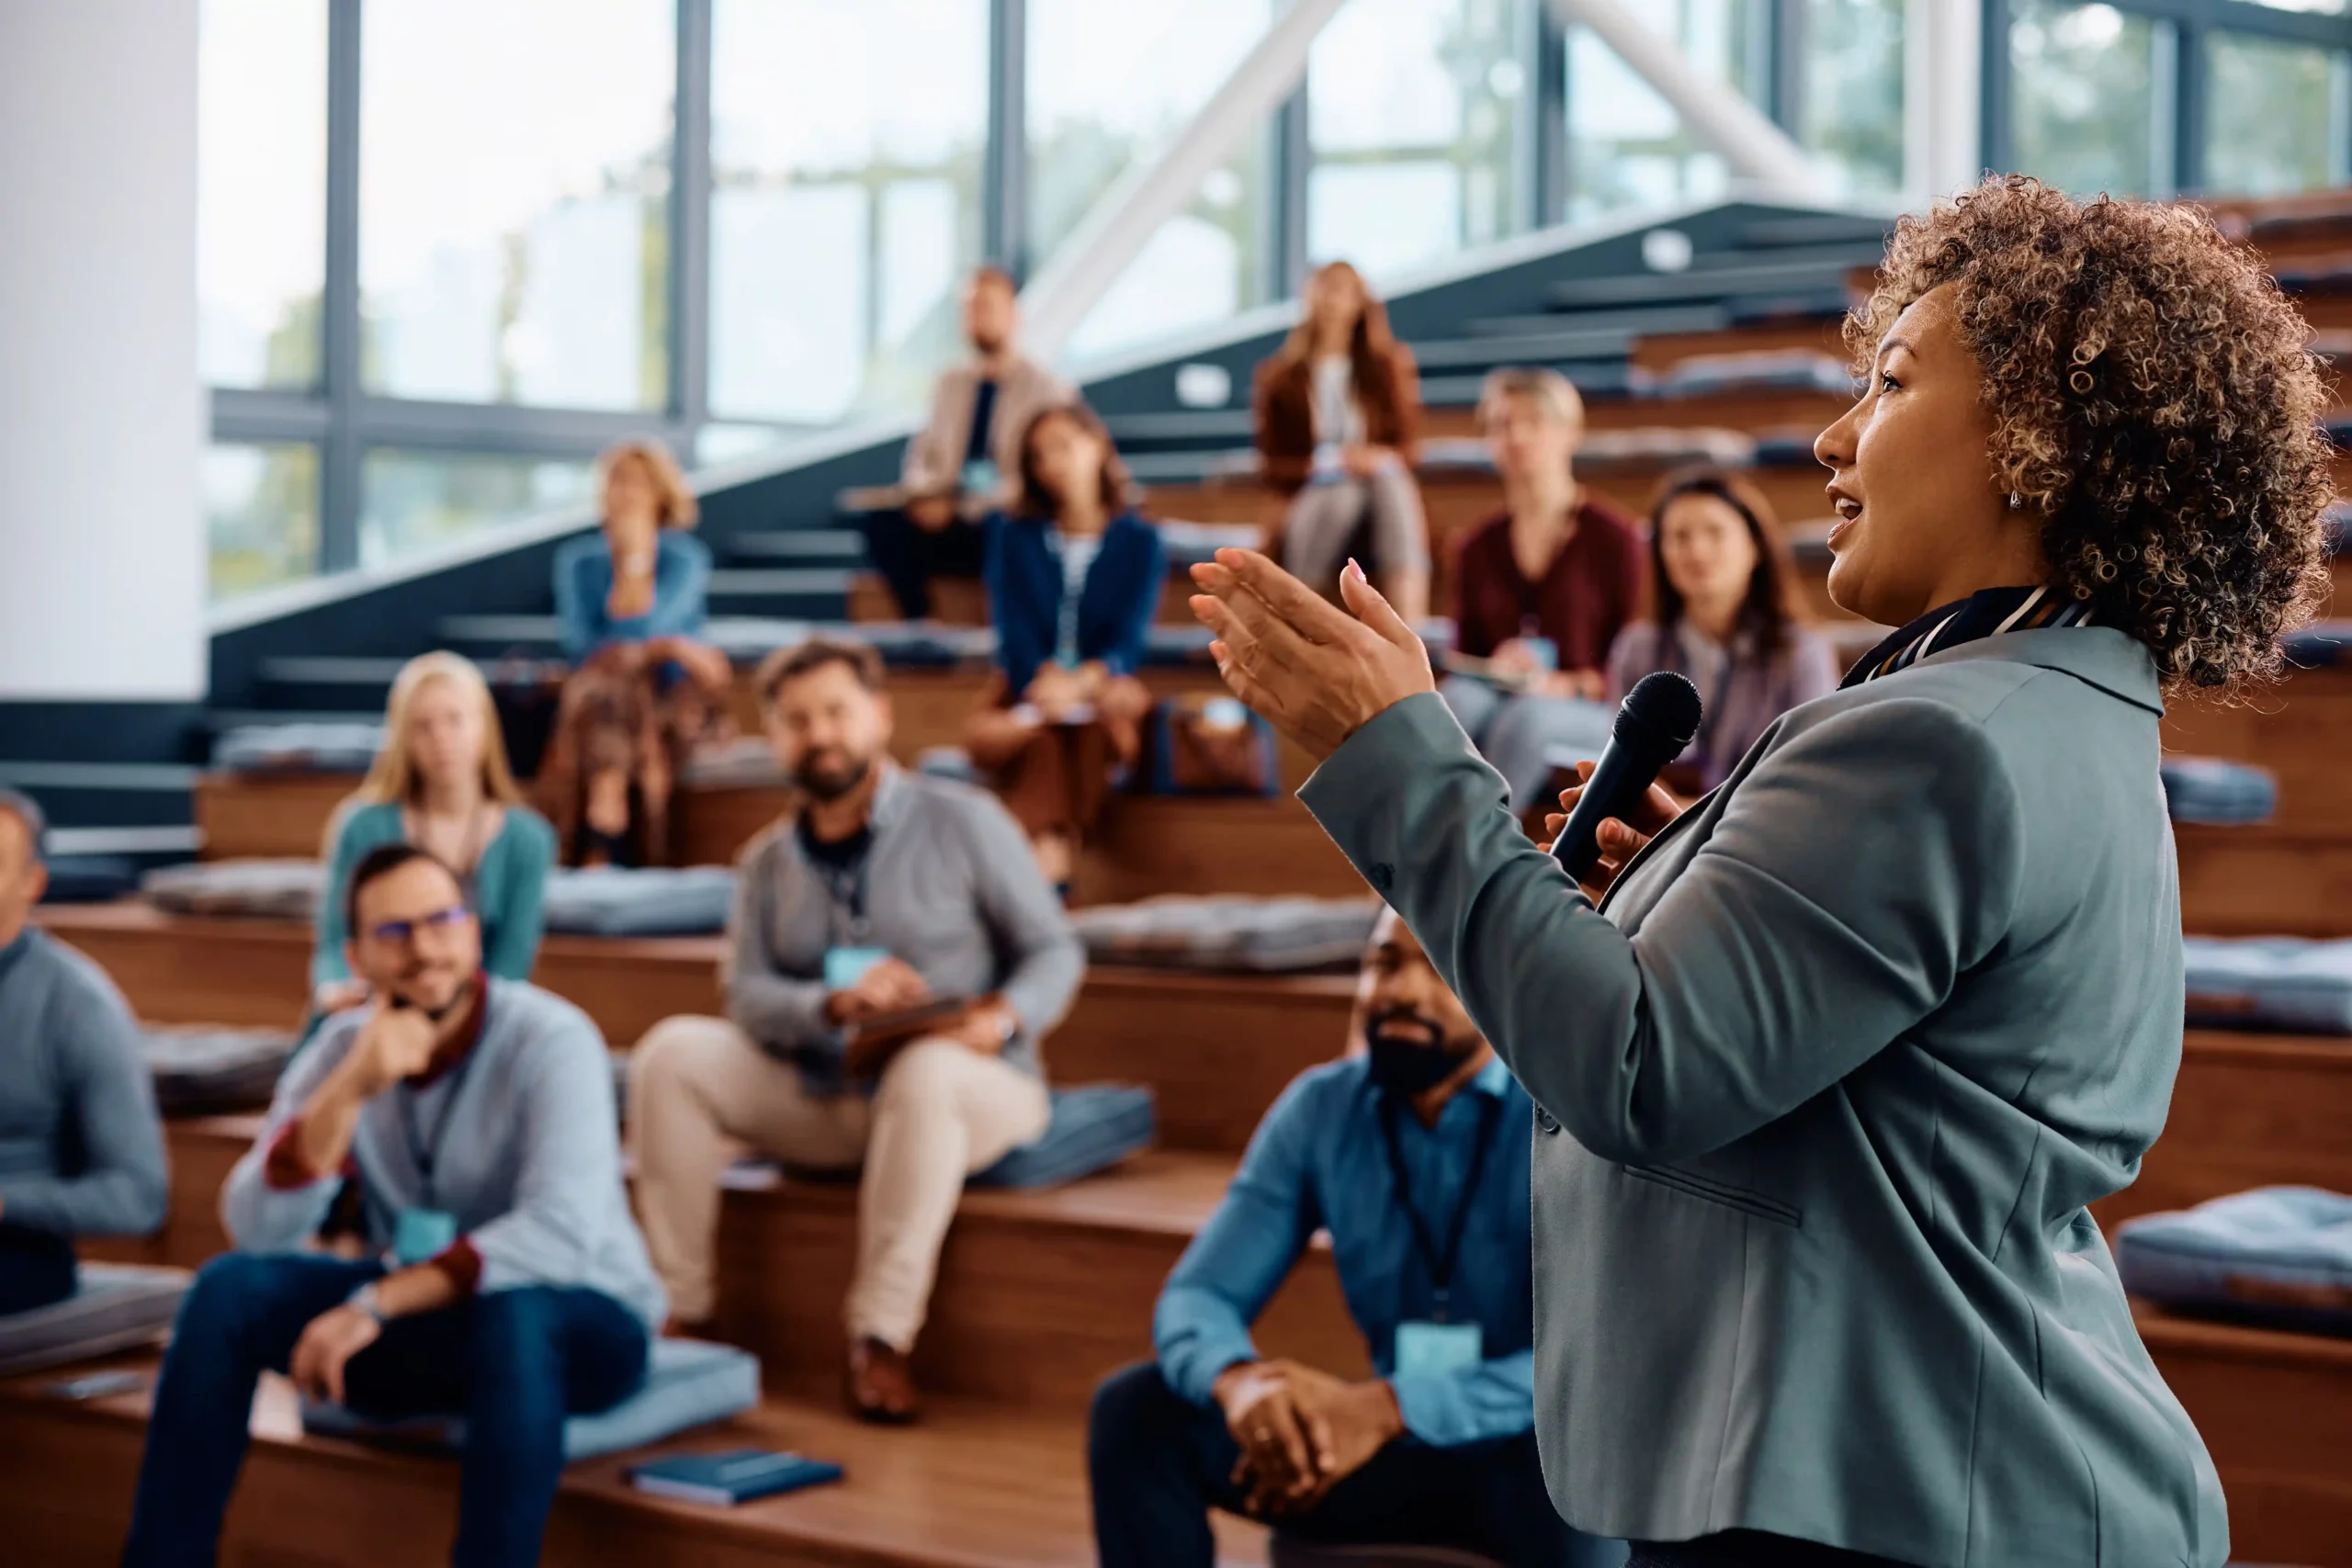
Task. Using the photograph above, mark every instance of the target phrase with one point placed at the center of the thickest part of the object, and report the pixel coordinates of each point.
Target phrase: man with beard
(965, 460)
(1414, 1157)
(881, 892)
(504, 1281)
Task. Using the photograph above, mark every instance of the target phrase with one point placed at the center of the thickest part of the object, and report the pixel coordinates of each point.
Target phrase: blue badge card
(421, 1234)
(1437, 1348)
(845, 967)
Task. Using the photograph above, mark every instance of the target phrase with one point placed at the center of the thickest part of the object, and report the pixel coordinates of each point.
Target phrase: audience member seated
(963, 463)
(81, 1150)
(440, 782)
(1541, 591)
(882, 892)
(1724, 612)
(1074, 580)
(644, 690)
(1339, 414)
(1414, 1157)
(502, 1279)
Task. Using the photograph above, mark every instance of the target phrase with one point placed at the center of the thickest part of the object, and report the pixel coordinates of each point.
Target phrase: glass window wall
(2089, 116)
(261, 190)
(413, 502)
(2278, 115)
(1627, 147)
(261, 514)
(1852, 115)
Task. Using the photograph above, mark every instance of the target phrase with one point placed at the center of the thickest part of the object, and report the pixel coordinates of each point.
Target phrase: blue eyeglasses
(402, 932)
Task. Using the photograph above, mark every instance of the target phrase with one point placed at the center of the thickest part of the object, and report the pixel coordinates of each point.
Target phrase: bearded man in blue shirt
(1413, 1154)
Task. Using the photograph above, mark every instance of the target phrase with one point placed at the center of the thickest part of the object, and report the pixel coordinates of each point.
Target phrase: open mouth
(1850, 511)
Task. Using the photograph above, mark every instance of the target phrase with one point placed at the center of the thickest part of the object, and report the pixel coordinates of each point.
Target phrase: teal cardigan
(510, 889)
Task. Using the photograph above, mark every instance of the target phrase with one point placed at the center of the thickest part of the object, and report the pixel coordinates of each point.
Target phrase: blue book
(724, 1480)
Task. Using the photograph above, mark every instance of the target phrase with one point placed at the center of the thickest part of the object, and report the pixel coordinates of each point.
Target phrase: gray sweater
(81, 1150)
(521, 1139)
(951, 888)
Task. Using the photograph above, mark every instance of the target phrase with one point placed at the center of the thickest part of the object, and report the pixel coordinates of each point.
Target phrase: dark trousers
(36, 1268)
(1157, 1463)
(513, 1363)
(1749, 1549)
(908, 558)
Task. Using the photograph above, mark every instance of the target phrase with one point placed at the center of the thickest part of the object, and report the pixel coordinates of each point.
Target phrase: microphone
(1655, 721)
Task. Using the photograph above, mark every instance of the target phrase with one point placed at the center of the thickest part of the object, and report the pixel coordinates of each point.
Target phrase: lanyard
(845, 888)
(427, 1156)
(1440, 1263)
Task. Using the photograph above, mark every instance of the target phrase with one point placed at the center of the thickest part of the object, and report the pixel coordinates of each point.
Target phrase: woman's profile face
(1921, 520)
(1068, 458)
(1526, 440)
(1708, 553)
(444, 732)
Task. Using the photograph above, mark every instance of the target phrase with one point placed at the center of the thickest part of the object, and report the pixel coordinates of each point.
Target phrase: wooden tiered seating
(976, 1486)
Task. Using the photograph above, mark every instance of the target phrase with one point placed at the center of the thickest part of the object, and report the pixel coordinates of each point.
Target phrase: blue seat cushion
(202, 1070)
(640, 901)
(90, 879)
(115, 1307)
(689, 1383)
(1094, 1126)
(2280, 982)
(298, 748)
(2277, 1255)
(2218, 793)
(1229, 934)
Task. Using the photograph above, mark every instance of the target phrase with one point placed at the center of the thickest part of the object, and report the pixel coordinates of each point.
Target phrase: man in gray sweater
(884, 891)
(81, 1151)
(505, 1282)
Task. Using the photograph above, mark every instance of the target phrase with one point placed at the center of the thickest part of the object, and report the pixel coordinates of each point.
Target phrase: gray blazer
(1839, 1062)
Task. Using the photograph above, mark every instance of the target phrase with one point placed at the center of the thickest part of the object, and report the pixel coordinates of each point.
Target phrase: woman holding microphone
(1827, 1079)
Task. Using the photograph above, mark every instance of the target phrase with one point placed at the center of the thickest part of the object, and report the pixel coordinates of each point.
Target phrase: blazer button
(1384, 875)
(1543, 1122)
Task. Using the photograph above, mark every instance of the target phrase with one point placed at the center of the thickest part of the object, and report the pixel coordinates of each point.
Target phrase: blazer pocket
(1722, 1193)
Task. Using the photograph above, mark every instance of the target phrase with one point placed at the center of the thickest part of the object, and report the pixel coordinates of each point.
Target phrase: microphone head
(1662, 710)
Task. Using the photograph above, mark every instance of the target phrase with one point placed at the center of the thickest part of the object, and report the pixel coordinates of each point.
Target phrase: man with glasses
(81, 1151)
(504, 1280)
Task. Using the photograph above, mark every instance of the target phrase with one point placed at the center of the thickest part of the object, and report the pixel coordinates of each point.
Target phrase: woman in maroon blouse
(1542, 590)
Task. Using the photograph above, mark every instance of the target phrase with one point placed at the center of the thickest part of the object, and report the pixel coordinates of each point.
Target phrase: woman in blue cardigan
(1074, 578)
(442, 783)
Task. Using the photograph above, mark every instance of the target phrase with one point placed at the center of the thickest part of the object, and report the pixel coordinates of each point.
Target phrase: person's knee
(225, 1291)
(675, 1054)
(1129, 1414)
(515, 1329)
(925, 1078)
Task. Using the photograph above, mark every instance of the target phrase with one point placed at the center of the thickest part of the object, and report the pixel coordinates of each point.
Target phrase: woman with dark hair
(1829, 1081)
(644, 689)
(1723, 592)
(1339, 414)
(1074, 578)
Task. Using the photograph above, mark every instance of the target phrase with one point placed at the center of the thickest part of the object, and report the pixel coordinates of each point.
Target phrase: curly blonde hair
(2153, 402)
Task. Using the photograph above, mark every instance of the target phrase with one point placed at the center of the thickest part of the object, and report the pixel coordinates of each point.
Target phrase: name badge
(845, 967)
(421, 1234)
(978, 476)
(1437, 1348)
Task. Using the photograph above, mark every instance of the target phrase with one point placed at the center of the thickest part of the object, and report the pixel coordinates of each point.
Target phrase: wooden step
(1215, 1049)
(1040, 1294)
(2276, 1412)
(2299, 730)
(2265, 880)
(2247, 1111)
(971, 1487)
(1663, 351)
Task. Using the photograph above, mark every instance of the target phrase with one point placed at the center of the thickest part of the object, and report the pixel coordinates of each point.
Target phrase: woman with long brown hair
(442, 783)
(1074, 577)
(1339, 415)
(644, 689)
(1726, 614)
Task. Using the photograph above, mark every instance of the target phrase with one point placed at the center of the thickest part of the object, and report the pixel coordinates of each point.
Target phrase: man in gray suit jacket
(965, 460)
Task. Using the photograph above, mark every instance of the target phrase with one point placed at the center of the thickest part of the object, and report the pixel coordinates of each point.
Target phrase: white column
(1943, 69)
(102, 416)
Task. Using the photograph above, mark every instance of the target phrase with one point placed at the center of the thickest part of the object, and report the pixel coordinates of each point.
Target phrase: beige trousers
(696, 1085)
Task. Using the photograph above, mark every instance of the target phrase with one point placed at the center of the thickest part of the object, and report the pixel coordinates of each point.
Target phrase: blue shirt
(1114, 609)
(583, 585)
(1318, 1161)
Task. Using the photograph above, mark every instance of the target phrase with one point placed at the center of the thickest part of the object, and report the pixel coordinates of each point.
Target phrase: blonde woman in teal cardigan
(442, 782)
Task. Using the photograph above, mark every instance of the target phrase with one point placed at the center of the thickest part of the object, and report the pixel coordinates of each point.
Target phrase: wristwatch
(365, 1300)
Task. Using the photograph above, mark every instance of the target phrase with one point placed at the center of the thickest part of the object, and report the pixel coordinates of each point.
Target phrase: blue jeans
(513, 1363)
(36, 1268)
(1157, 1463)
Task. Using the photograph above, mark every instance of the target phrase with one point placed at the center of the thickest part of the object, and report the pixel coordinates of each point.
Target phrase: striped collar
(1988, 613)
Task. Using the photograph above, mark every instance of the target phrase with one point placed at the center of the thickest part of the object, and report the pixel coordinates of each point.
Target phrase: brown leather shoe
(881, 1385)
